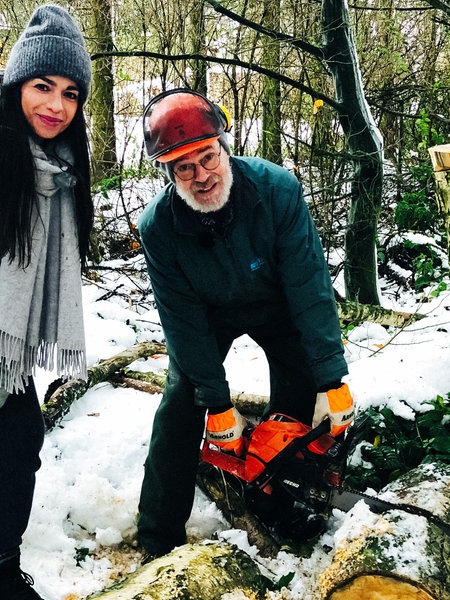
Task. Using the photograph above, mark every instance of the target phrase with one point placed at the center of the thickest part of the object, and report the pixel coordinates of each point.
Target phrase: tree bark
(396, 554)
(201, 571)
(366, 146)
(354, 311)
(101, 104)
(271, 127)
(247, 404)
(197, 35)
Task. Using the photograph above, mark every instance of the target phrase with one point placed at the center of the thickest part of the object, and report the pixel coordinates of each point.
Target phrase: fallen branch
(353, 311)
(151, 383)
(59, 400)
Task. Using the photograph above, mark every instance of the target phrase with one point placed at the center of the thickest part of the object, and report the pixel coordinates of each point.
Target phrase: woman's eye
(71, 95)
(42, 87)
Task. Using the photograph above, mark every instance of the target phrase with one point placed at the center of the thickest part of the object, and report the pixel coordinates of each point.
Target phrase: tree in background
(271, 103)
(101, 103)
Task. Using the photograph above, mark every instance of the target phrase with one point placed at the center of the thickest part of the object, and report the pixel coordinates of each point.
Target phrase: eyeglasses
(186, 171)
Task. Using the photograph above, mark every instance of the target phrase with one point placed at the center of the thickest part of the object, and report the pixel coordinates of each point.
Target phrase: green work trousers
(170, 469)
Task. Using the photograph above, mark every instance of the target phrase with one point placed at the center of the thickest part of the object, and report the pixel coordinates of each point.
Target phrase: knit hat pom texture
(51, 44)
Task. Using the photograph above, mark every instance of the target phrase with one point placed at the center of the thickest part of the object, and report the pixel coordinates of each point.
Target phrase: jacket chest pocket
(222, 274)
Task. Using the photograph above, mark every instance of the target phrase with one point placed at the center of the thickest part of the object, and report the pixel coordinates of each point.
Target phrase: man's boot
(14, 583)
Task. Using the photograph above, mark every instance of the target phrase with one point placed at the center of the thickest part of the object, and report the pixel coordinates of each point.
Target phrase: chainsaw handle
(315, 433)
(290, 450)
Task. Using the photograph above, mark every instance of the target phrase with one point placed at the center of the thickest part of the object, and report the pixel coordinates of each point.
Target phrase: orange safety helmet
(179, 121)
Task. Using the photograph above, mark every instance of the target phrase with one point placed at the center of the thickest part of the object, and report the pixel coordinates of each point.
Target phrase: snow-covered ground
(92, 462)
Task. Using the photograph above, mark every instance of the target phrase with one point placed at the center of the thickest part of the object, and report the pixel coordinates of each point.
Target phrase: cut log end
(205, 571)
(398, 554)
(377, 587)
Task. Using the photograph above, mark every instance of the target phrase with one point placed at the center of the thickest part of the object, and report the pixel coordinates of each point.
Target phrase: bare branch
(226, 61)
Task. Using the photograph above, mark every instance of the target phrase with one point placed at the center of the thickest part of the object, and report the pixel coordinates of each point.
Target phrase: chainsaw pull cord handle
(291, 450)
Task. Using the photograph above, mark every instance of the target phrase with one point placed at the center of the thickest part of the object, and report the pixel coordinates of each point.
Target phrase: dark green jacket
(268, 264)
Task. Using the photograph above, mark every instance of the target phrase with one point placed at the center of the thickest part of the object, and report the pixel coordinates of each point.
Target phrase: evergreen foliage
(389, 445)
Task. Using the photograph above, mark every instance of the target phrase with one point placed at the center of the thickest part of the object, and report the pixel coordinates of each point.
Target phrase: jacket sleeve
(183, 318)
(307, 284)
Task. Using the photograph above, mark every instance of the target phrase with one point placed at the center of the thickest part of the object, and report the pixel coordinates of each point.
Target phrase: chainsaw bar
(345, 499)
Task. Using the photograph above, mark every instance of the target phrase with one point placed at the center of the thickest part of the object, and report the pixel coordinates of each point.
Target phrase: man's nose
(201, 174)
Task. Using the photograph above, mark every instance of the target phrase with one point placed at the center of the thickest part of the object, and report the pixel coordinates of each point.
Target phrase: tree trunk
(366, 146)
(271, 134)
(196, 33)
(205, 571)
(101, 104)
(396, 554)
(443, 202)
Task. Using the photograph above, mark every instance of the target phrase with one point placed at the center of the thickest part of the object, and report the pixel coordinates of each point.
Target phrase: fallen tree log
(354, 311)
(248, 404)
(59, 398)
(231, 503)
(206, 571)
(395, 555)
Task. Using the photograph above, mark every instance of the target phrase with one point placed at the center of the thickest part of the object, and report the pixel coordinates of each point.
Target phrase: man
(231, 249)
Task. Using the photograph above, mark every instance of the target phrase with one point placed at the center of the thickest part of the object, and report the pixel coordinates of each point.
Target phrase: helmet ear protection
(186, 121)
(223, 115)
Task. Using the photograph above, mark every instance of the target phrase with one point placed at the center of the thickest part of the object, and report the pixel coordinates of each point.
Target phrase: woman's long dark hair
(17, 179)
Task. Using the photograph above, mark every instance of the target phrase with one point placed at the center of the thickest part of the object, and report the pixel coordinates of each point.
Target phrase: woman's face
(49, 104)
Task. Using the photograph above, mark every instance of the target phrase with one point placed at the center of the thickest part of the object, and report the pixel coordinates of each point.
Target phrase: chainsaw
(293, 475)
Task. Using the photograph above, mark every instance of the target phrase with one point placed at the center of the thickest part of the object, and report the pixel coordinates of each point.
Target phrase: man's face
(208, 190)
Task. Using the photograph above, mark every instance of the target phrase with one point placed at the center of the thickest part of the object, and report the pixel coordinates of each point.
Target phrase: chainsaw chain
(377, 504)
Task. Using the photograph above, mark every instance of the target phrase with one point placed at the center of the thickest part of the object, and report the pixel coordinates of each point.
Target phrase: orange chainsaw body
(262, 445)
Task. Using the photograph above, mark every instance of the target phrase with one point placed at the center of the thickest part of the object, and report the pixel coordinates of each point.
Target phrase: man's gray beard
(220, 203)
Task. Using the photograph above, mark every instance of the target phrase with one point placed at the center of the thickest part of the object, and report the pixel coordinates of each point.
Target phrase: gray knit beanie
(51, 44)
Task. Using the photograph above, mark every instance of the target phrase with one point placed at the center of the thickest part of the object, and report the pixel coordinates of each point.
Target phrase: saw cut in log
(395, 555)
(204, 571)
(375, 587)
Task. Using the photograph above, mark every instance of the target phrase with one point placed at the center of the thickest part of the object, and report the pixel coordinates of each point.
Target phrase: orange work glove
(337, 405)
(225, 430)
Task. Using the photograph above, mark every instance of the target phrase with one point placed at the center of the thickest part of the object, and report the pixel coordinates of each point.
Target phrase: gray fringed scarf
(41, 306)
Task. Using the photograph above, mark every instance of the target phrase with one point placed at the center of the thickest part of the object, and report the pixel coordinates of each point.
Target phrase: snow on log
(207, 571)
(396, 554)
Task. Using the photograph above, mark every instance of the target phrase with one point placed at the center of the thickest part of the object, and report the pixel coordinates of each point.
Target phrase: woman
(46, 217)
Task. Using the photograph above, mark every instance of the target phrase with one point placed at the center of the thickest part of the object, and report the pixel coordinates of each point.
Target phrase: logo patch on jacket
(256, 264)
